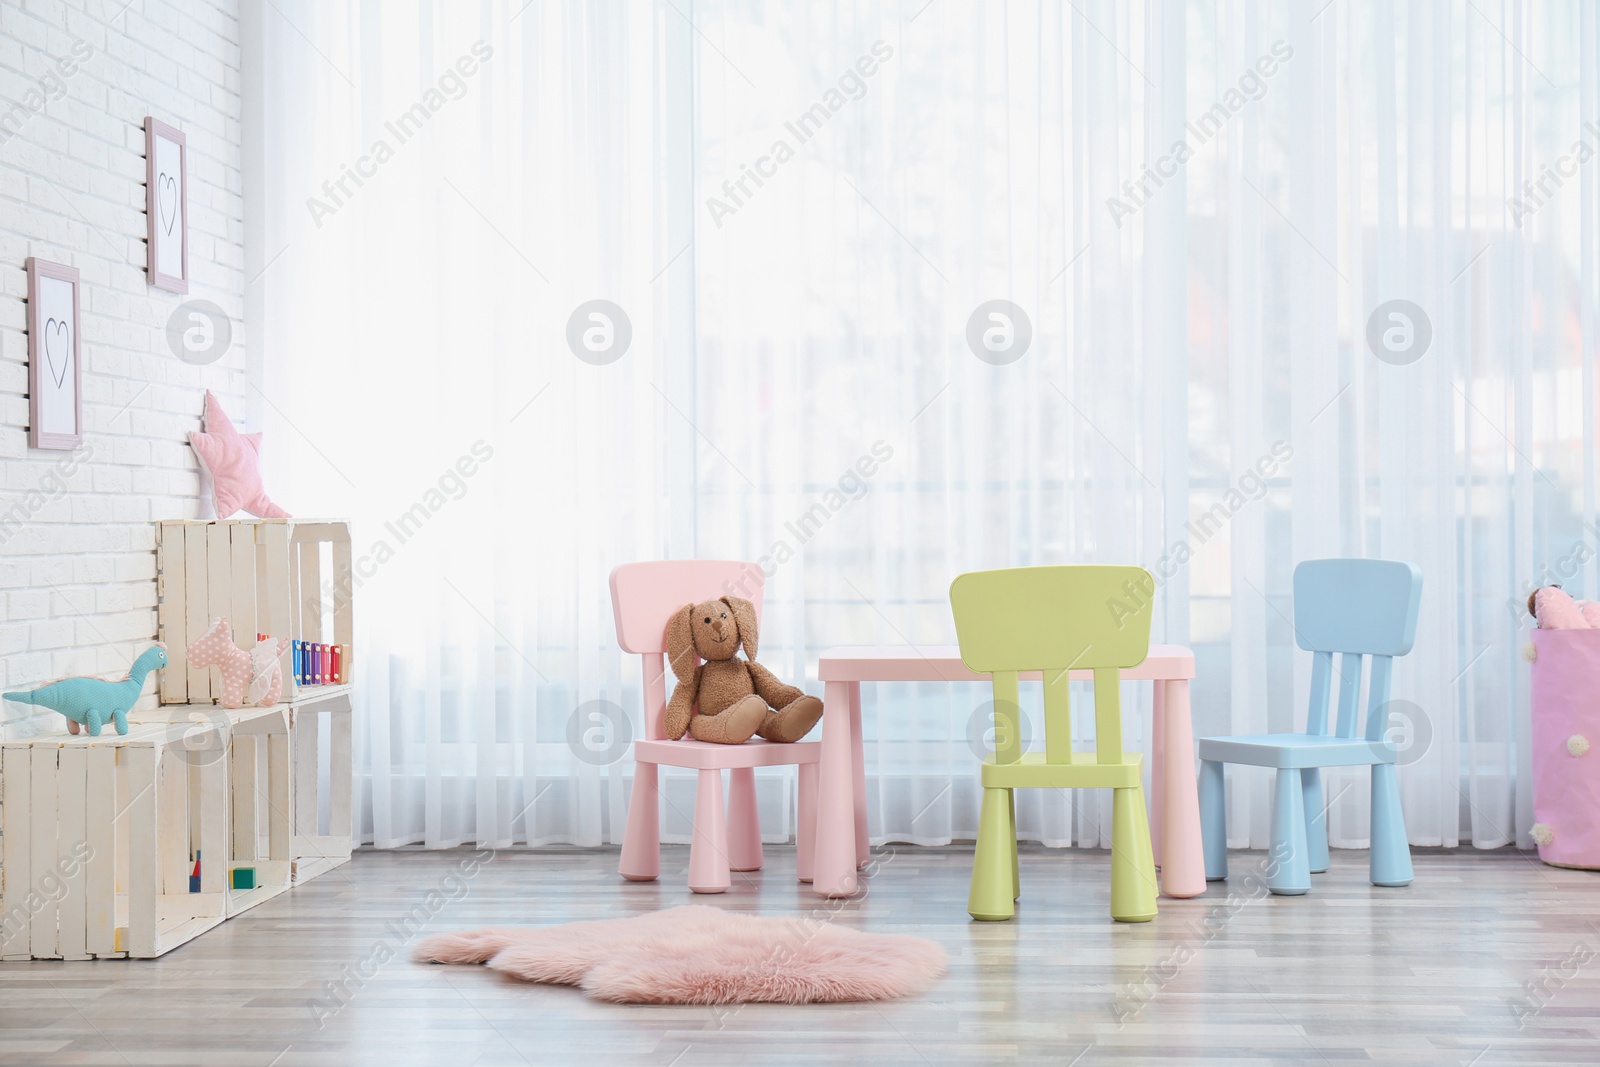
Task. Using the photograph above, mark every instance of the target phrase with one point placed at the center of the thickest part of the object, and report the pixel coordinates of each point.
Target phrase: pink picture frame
(166, 155)
(55, 350)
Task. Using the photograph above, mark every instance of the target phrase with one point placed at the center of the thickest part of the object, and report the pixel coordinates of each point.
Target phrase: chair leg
(805, 832)
(1011, 836)
(1214, 819)
(744, 821)
(1133, 868)
(1391, 853)
(1148, 860)
(1316, 819)
(641, 839)
(1288, 874)
(708, 854)
(991, 898)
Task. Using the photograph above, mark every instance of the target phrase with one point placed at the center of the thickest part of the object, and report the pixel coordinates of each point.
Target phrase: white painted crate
(265, 576)
(291, 807)
(99, 832)
(260, 757)
(323, 831)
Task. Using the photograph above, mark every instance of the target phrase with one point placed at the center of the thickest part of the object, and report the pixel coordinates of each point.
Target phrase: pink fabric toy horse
(253, 677)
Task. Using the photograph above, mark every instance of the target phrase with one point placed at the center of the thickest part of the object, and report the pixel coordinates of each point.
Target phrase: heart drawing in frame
(167, 193)
(57, 342)
(55, 408)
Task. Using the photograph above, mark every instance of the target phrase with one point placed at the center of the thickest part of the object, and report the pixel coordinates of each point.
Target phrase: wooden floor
(1489, 958)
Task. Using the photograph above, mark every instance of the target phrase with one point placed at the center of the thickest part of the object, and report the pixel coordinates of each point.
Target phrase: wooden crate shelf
(282, 577)
(100, 832)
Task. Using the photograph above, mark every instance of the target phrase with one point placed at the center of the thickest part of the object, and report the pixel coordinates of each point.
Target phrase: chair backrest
(1357, 608)
(1054, 620)
(645, 595)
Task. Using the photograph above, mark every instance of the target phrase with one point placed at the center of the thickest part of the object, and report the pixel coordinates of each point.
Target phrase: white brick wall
(77, 580)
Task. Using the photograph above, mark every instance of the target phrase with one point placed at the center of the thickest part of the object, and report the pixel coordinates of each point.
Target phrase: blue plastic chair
(1357, 608)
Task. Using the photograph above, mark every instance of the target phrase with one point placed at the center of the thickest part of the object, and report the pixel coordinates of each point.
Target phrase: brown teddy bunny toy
(725, 699)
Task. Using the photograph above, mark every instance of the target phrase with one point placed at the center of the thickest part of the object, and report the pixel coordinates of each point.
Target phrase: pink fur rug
(699, 954)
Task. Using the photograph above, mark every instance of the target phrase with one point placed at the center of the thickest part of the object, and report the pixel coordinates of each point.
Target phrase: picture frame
(55, 364)
(166, 154)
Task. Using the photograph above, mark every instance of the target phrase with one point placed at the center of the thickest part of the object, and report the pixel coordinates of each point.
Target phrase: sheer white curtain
(803, 214)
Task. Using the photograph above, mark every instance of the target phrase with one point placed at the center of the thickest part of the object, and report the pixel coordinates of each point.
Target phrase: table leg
(858, 753)
(1158, 758)
(1184, 874)
(834, 872)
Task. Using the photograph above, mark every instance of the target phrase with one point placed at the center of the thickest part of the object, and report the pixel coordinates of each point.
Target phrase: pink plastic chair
(643, 597)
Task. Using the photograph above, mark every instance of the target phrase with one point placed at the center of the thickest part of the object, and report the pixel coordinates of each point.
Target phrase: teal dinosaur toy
(93, 702)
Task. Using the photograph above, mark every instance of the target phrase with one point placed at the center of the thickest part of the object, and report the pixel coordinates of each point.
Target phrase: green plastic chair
(1053, 620)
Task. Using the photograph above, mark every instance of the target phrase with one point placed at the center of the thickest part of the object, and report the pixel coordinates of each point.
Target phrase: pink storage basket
(1566, 729)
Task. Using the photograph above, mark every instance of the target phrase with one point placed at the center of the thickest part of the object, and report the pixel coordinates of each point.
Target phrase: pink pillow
(1555, 609)
(233, 460)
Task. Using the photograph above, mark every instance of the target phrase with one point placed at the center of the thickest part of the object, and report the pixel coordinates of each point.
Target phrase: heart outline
(52, 327)
(167, 183)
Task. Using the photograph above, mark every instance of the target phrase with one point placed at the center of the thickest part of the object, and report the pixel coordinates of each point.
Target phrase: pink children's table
(841, 843)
